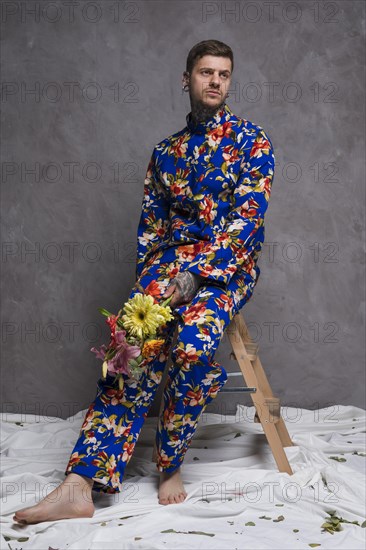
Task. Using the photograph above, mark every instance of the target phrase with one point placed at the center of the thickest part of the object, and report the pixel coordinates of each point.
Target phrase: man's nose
(215, 80)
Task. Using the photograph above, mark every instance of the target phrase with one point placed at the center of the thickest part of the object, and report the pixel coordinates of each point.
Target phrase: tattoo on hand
(187, 284)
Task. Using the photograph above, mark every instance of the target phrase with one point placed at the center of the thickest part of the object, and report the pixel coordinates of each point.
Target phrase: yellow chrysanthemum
(152, 347)
(166, 313)
(142, 316)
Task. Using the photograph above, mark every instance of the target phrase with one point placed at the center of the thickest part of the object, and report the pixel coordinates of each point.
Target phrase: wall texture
(88, 89)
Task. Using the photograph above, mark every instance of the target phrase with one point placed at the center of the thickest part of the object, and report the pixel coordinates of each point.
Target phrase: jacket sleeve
(243, 230)
(154, 221)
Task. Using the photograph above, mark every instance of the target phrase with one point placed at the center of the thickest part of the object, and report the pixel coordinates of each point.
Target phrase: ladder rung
(235, 374)
(251, 357)
(240, 389)
(251, 350)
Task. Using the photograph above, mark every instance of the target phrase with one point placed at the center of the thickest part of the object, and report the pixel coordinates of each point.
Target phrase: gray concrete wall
(107, 88)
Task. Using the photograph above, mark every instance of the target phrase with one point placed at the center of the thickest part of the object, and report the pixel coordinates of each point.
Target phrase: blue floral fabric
(205, 195)
(209, 185)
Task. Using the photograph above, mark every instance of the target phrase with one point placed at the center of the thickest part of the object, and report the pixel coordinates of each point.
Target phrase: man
(177, 214)
(199, 238)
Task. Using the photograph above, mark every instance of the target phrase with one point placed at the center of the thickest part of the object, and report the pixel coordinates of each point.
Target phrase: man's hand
(184, 286)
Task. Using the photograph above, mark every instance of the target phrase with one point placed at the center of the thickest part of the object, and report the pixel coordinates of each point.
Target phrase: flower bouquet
(134, 341)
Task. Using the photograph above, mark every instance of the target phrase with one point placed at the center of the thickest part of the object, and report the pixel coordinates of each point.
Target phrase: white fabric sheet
(229, 473)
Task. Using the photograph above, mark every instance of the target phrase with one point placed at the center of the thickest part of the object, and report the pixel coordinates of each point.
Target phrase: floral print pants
(114, 419)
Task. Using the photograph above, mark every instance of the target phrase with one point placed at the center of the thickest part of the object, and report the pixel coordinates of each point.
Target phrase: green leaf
(279, 505)
(264, 517)
(280, 518)
(110, 354)
(314, 544)
(295, 530)
(250, 524)
(23, 539)
(327, 526)
(189, 532)
(338, 458)
(333, 523)
(201, 533)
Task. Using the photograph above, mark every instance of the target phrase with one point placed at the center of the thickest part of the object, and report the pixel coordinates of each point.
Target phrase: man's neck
(202, 112)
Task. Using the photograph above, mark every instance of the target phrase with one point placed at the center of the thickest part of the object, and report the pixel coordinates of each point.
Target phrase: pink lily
(119, 363)
(100, 353)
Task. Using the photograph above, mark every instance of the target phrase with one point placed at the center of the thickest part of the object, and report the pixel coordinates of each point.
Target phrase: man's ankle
(78, 478)
(171, 473)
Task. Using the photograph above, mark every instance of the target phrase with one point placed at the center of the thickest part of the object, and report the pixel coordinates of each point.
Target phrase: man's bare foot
(171, 489)
(71, 499)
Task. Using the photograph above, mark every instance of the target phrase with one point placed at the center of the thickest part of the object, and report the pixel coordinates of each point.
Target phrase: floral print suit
(206, 192)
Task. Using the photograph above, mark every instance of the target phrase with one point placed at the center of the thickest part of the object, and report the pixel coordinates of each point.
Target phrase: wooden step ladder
(268, 409)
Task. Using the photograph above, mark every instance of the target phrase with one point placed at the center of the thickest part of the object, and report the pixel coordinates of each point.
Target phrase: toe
(19, 520)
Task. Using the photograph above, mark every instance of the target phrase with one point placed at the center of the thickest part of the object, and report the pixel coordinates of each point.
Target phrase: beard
(201, 111)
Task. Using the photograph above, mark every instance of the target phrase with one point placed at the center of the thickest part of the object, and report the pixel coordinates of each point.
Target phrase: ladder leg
(283, 433)
(263, 380)
(275, 443)
(275, 431)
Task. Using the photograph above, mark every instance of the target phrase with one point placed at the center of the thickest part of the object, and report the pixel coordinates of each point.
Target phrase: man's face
(209, 81)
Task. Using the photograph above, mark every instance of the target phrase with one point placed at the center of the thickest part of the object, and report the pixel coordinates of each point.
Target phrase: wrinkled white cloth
(229, 473)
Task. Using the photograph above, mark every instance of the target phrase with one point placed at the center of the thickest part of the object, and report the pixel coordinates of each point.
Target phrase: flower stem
(105, 312)
(166, 302)
(141, 288)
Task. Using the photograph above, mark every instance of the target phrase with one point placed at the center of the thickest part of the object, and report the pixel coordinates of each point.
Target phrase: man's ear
(185, 78)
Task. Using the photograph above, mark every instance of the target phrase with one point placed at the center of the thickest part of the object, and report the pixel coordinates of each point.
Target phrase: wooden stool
(268, 409)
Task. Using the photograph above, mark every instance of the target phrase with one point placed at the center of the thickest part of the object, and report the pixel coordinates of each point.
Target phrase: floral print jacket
(209, 185)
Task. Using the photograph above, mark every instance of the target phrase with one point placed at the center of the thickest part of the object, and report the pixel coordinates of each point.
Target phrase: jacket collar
(222, 115)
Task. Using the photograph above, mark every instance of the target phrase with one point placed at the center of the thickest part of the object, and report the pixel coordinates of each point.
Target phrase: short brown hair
(208, 47)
